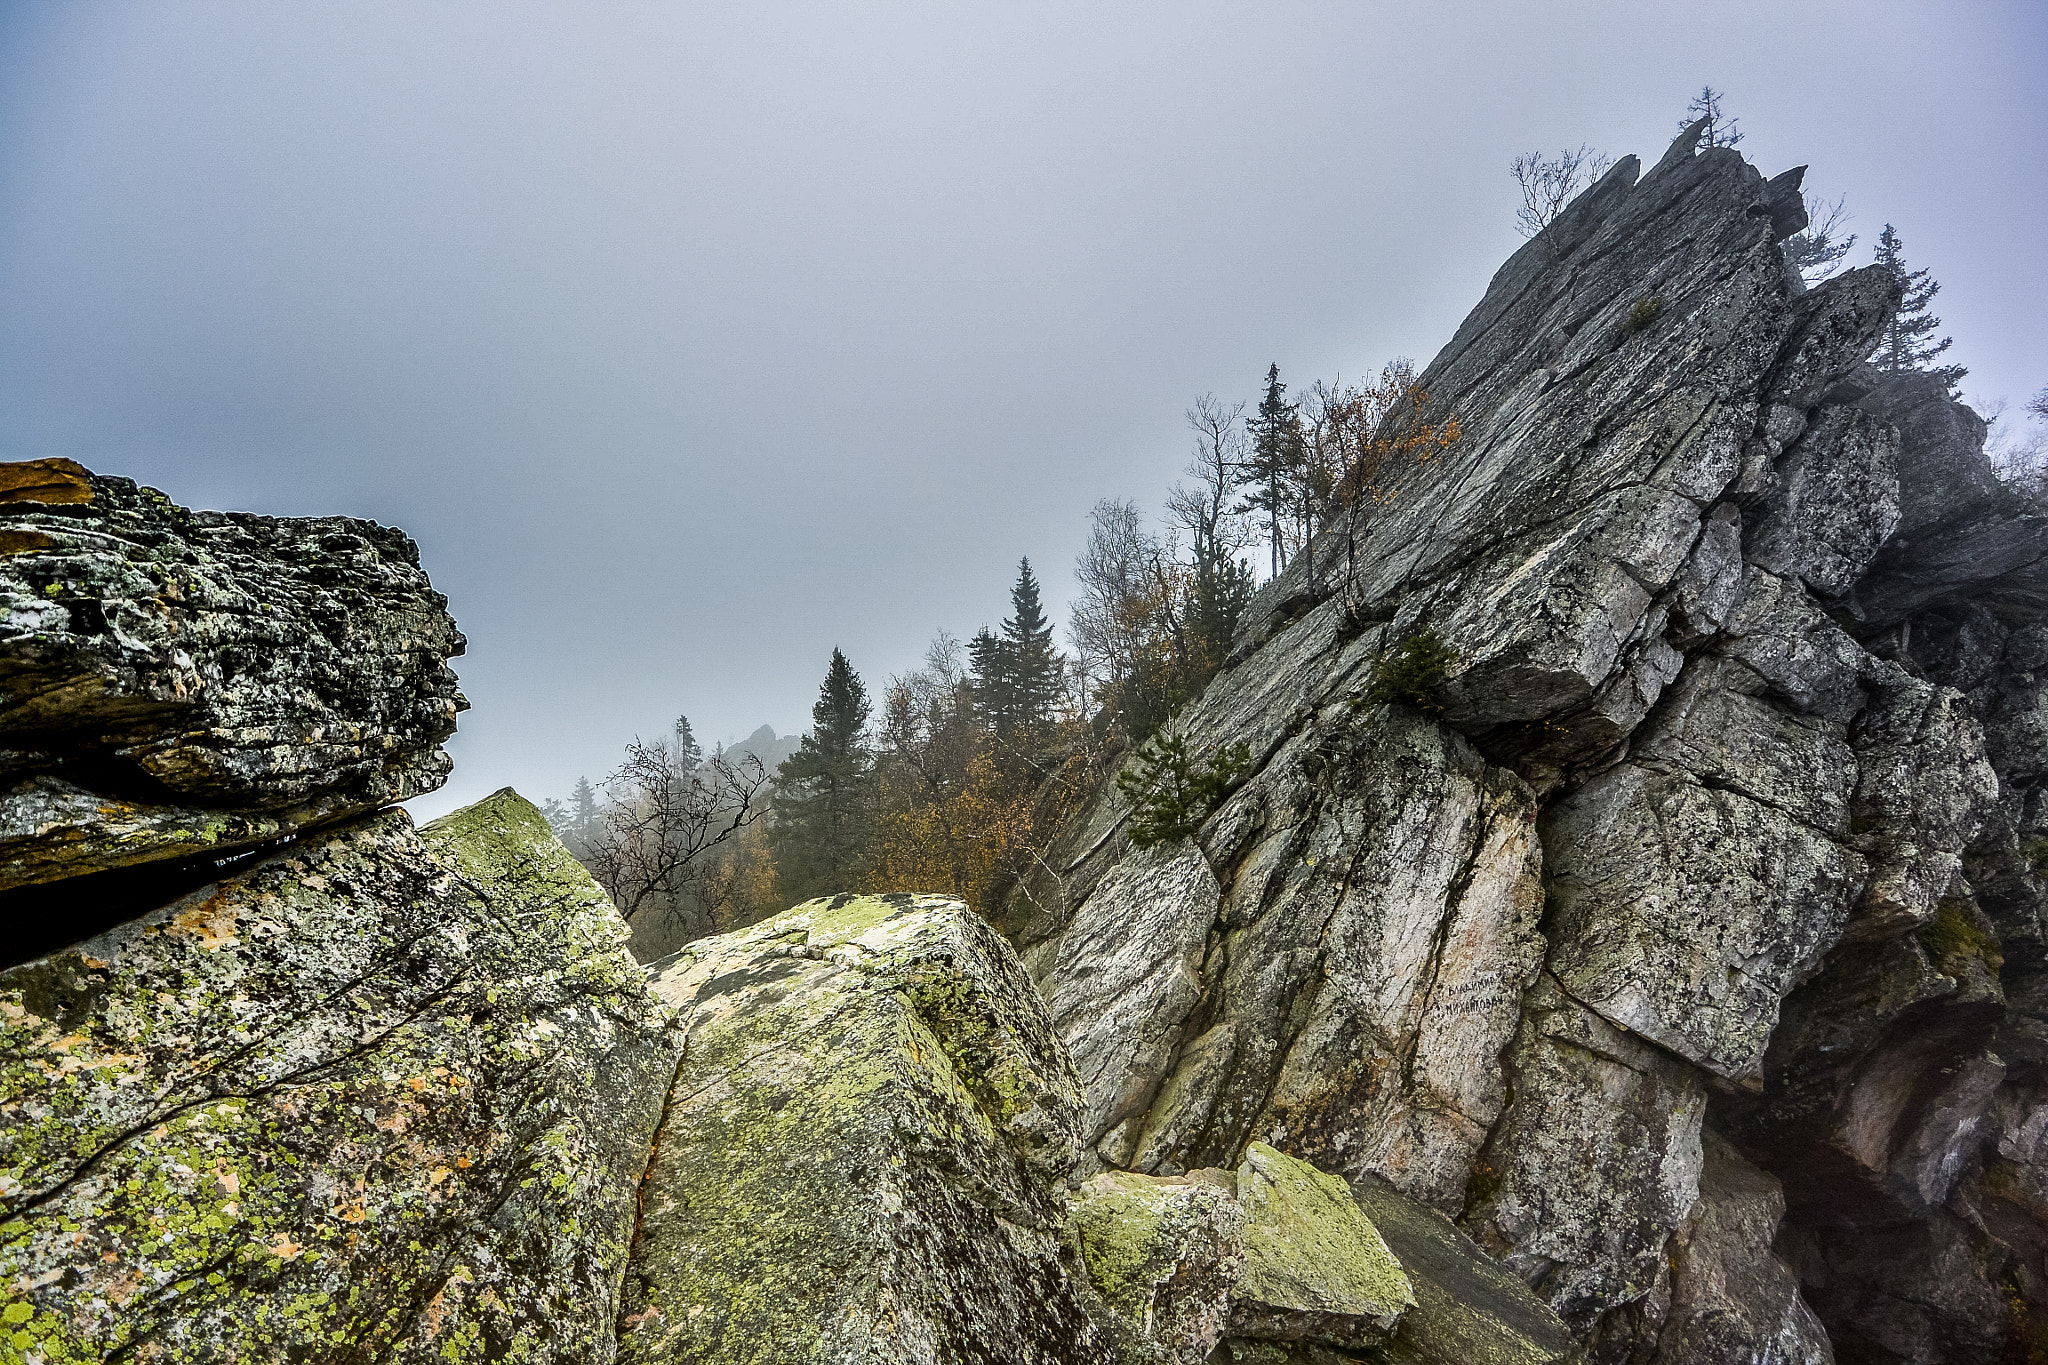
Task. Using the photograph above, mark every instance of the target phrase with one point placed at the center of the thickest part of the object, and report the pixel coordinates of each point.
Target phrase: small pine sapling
(1411, 674)
(1172, 793)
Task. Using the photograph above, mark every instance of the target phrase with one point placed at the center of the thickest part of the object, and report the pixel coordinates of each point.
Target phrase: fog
(693, 341)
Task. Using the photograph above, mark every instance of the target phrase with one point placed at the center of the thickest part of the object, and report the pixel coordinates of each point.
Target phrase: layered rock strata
(1709, 886)
(176, 683)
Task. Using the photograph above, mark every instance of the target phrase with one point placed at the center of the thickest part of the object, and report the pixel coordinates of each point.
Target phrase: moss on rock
(865, 1150)
(387, 1092)
(1316, 1269)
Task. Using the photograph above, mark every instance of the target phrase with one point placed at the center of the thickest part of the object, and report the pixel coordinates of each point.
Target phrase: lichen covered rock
(173, 682)
(866, 1150)
(1163, 1253)
(390, 1091)
(1315, 1267)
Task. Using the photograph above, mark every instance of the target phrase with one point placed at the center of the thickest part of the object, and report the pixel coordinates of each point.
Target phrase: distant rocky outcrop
(1709, 890)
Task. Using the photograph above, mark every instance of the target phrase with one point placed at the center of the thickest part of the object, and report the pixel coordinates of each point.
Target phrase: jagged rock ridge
(1708, 874)
(1674, 993)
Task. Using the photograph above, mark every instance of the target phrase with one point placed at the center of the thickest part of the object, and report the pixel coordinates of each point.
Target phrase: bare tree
(1817, 251)
(1205, 508)
(1114, 571)
(2019, 458)
(1550, 183)
(666, 809)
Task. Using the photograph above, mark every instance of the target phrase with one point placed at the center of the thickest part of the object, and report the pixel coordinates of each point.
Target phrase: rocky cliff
(1670, 988)
(1688, 952)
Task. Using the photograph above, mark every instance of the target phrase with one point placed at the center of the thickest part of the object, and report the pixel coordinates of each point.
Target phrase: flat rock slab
(173, 682)
(1315, 1269)
(392, 1089)
(1469, 1309)
(866, 1150)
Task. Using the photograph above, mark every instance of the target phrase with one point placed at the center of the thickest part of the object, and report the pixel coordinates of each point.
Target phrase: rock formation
(389, 1088)
(1671, 989)
(1708, 889)
(176, 682)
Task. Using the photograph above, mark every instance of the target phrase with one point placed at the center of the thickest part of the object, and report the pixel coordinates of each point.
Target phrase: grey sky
(692, 340)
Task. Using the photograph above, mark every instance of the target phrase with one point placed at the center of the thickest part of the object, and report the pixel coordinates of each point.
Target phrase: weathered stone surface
(1315, 1267)
(1594, 1163)
(173, 681)
(865, 1151)
(1373, 942)
(1163, 1253)
(1731, 1297)
(391, 1089)
(1686, 912)
(1836, 501)
(1468, 1309)
(1667, 778)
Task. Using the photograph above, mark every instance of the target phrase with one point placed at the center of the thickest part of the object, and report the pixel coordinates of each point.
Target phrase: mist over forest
(954, 775)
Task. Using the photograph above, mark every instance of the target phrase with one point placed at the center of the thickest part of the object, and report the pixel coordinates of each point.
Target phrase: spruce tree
(824, 794)
(1907, 344)
(990, 680)
(1034, 666)
(1276, 459)
(1222, 590)
(582, 827)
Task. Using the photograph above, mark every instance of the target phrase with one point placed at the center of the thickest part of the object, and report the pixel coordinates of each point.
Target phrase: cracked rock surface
(392, 1089)
(1691, 952)
(176, 682)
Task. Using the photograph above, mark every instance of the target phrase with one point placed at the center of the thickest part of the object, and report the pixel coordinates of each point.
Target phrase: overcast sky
(693, 340)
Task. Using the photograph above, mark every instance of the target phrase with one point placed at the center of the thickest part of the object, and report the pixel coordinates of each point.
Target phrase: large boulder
(176, 682)
(867, 1150)
(390, 1091)
(1315, 1268)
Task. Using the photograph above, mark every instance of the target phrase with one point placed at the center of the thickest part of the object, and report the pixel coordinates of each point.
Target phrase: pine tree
(824, 794)
(688, 753)
(582, 823)
(1907, 344)
(1034, 666)
(990, 679)
(1721, 130)
(1222, 590)
(1275, 463)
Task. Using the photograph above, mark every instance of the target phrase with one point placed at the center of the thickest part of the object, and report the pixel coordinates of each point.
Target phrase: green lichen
(1309, 1247)
(1955, 935)
(1118, 1224)
(848, 1067)
(360, 1094)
